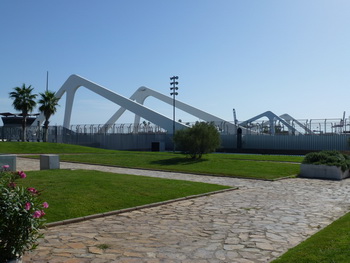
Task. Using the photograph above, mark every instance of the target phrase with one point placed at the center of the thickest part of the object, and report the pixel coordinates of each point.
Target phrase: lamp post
(173, 93)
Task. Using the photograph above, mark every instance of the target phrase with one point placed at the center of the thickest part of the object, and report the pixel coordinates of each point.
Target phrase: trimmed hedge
(330, 158)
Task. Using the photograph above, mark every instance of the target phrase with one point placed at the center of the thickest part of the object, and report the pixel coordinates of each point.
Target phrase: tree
(48, 106)
(24, 101)
(200, 139)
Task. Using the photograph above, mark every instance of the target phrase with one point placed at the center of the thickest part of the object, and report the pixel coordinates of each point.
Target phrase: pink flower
(45, 205)
(5, 167)
(27, 206)
(32, 190)
(37, 214)
(22, 174)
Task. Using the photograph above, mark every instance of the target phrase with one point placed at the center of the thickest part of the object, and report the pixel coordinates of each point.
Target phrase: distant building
(15, 120)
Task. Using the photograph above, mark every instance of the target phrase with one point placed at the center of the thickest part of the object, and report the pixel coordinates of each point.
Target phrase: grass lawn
(215, 164)
(46, 147)
(238, 165)
(76, 193)
(331, 244)
(61, 148)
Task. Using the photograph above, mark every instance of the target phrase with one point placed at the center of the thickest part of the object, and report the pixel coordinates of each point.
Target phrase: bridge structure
(255, 134)
(133, 104)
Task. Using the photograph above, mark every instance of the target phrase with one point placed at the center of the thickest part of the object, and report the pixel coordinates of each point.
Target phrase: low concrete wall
(322, 172)
(49, 161)
(9, 159)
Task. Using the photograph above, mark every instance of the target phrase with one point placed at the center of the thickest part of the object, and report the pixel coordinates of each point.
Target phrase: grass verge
(331, 244)
(268, 167)
(61, 148)
(77, 193)
(46, 147)
(213, 164)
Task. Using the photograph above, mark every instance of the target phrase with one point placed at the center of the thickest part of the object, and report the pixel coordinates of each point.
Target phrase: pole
(174, 115)
(47, 80)
(174, 93)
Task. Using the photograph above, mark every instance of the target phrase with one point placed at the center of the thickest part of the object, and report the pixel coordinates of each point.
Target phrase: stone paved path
(256, 223)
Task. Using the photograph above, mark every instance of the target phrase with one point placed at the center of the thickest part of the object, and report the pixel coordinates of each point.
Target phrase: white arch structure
(285, 119)
(74, 82)
(290, 119)
(143, 93)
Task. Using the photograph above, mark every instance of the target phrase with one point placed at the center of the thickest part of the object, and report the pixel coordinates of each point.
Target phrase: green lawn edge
(46, 148)
(266, 167)
(331, 244)
(61, 148)
(211, 164)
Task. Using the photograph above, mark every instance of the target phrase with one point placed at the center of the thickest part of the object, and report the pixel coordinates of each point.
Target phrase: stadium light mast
(47, 80)
(174, 93)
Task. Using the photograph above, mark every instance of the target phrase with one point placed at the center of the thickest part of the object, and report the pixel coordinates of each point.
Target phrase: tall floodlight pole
(173, 93)
(47, 81)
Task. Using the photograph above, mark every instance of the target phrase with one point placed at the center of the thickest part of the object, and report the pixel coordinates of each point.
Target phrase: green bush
(330, 158)
(201, 138)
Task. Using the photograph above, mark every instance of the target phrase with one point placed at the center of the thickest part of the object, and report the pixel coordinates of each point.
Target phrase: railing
(32, 133)
(302, 127)
(331, 134)
(124, 128)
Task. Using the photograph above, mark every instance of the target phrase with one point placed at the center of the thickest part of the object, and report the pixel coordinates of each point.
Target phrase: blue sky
(288, 56)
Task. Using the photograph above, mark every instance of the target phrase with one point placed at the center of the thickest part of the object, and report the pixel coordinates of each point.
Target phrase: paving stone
(264, 246)
(220, 254)
(73, 260)
(77, 245)
(95, 250)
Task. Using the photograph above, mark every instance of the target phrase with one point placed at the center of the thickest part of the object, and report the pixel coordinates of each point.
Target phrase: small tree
(24, 101)
(48, 106)
(200, 139)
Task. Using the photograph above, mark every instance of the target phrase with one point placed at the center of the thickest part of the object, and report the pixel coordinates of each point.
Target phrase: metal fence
(151, 137)
(301, 143)
(125, 128)
(303, 126)
(119, 137)
(33, 134)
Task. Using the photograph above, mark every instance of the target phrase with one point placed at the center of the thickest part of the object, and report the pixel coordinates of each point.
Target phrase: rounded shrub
(330, 158)
(201, 138)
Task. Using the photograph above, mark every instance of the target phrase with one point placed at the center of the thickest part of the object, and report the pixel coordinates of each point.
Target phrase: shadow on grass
(177, 161)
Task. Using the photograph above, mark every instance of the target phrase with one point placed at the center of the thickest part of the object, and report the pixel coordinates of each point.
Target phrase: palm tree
(24, 101)
(48, 106)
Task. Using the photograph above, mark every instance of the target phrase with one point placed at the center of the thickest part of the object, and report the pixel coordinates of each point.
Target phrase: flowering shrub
(21, 215)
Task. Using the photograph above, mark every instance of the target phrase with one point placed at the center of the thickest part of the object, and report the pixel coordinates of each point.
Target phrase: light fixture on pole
(174, 93)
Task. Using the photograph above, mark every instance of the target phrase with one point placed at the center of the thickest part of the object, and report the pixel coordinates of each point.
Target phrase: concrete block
(8, 159)
(322, 172)
(49, 161)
